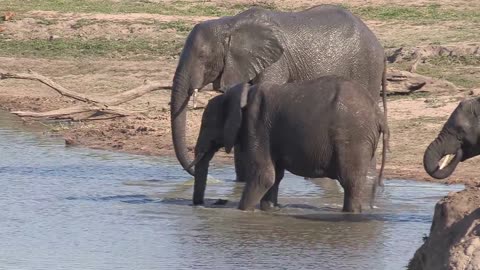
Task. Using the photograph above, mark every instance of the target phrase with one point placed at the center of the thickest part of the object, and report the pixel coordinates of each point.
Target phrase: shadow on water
(75, 208)
(132, 199)
(335, 217)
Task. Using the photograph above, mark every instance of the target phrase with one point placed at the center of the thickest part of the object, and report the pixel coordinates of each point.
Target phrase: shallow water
(75, 208)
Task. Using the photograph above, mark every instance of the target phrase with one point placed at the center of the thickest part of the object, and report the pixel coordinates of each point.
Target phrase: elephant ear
(236, 100)
(253, 45)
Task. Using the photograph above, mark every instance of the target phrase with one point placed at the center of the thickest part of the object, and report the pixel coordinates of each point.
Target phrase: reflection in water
(73, 208)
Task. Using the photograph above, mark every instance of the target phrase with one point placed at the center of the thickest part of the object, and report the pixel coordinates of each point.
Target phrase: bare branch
(68, 113)
(37, 77)
(93, 110)
(135, 93)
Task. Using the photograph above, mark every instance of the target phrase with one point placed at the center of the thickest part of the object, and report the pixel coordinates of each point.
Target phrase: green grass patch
(65, 48)
(421, 15)
(122, 6)
(262, 4)
(83, 22)
(456, 74)
(465, 60)
(179, 26)
(46, 22)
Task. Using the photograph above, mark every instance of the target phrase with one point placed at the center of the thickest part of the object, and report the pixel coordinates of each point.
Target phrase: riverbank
(105, 50)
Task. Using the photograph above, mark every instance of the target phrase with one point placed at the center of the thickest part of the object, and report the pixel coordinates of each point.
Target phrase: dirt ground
(447, 51)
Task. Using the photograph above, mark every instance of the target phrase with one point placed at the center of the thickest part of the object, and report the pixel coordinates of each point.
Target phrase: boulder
(454, 240)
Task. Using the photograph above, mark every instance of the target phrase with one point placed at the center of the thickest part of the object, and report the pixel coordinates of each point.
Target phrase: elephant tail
(384, 100)
(384, 129)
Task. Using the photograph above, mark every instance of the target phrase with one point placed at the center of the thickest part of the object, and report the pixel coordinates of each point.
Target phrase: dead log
(93, 109)
(136, 93)
(66, 113)
(33, 76)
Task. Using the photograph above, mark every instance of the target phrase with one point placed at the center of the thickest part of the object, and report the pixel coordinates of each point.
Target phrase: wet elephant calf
(327, 127)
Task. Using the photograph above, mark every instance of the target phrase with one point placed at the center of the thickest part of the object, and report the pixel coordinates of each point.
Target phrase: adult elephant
(458, 140)
(260, 45)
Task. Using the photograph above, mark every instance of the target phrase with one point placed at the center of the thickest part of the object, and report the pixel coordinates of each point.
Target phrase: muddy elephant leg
(353, 169)
(352, 196)
(372, 181)
(240, 167)
(270, 199)
(261, 179)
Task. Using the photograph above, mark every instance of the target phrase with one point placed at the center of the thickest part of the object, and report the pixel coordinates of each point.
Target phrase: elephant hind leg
(261, 179)
(352, 199)
(270, 199)
(352, 174)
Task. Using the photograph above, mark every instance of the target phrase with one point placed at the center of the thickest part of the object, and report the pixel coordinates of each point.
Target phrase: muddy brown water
(76, 208)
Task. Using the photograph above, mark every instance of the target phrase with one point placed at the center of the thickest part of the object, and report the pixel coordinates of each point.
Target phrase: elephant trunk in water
(191, 75)
(179, 102)
(188, 78)
(439, 162)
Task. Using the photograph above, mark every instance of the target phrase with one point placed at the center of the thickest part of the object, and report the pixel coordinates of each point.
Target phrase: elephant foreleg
(240, 167)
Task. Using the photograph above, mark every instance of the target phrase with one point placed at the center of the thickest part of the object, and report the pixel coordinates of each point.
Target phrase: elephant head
(221, 123)
(458, 140)
(224, 52)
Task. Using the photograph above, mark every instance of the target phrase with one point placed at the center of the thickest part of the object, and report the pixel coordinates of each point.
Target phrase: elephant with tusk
(260, 45)
(457, 141)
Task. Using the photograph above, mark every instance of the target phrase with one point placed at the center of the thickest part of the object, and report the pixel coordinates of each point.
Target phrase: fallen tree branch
(66, 113)
(136, 92)
(94, 109)
(33, 76)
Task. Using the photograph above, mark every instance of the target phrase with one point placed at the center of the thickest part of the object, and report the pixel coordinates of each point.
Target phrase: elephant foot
(268, 206)
(197, 202)
(241, 180)
(352, 208)
(220, 202)
(244, 207)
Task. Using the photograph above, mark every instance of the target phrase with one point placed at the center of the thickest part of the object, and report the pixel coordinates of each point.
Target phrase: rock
(454, 240)
(404, 82)
(8, 16)
(53, 37)
(70, 140)
(398, 55)
(474, 92)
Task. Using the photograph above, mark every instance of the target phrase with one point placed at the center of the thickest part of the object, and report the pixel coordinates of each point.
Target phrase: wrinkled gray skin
(260, 45)
(459, 136)
(327, 127)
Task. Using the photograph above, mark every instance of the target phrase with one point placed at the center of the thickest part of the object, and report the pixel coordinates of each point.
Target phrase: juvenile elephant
(457, 141)
(327, 127)
(260, 45)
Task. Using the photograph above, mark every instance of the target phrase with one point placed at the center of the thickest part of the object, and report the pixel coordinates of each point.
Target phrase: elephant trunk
(178, 113)
(435, 152)
(201, 173)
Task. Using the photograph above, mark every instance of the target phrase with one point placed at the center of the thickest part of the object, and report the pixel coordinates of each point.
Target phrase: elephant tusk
(196, 160)
(446, 160)
(194, 98)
